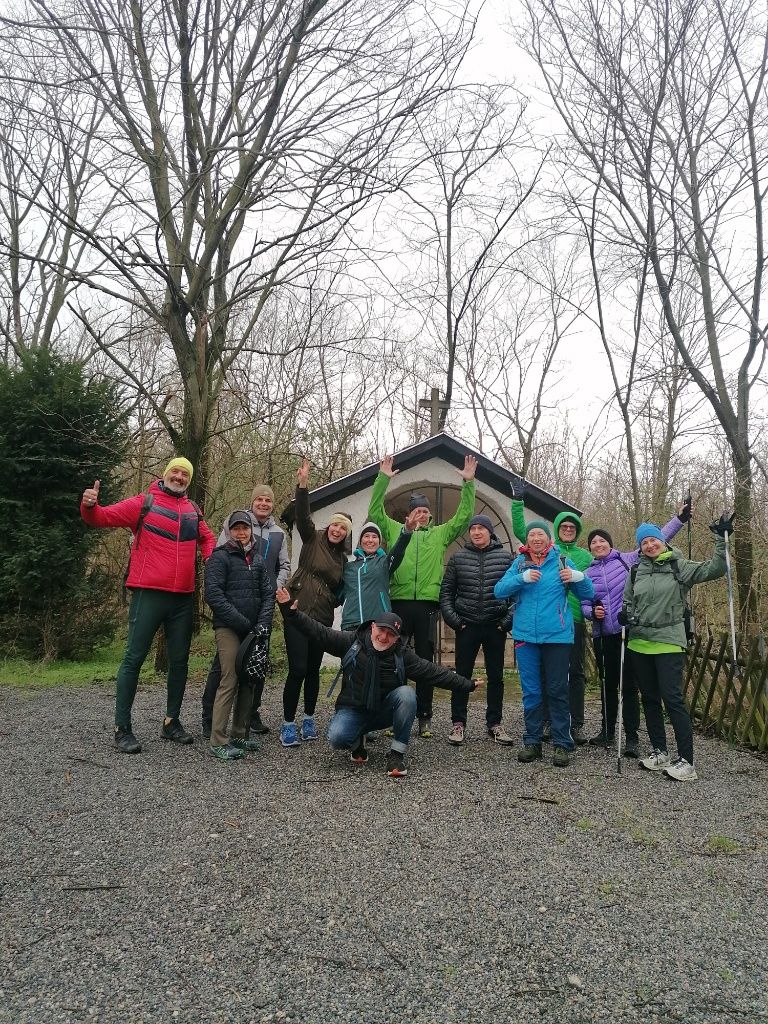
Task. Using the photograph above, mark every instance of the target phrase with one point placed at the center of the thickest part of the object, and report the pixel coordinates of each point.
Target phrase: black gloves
(518, 487)
(685, 512)
(723, 525)
(622, 618)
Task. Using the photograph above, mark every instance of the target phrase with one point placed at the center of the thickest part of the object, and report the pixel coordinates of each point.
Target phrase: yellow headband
(179, 463)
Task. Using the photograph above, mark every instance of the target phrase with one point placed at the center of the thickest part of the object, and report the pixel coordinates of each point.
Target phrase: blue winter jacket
(542, 615)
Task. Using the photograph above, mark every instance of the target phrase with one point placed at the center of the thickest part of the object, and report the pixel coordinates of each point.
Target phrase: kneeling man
(375, 667)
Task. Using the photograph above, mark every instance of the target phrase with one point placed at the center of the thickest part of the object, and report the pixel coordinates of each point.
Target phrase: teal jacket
(580, 557)
(421, 570)
(366, 583)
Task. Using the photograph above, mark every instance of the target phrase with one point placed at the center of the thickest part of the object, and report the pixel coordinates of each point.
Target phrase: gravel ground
(296, 887)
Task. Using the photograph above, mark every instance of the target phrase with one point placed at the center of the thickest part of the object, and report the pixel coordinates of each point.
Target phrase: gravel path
(295, 887)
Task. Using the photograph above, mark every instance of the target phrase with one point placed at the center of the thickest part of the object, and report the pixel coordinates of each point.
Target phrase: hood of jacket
(556, 532)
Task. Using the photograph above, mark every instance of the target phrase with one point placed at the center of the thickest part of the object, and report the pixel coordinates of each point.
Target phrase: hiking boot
(530, 752)
(289, 735)
(126, 741)
(546, 733)
(371, 737)
(396, 768)
(358, 754)
(681, 771)
(500, 735)
(602, 739)
(176, 733)
(456, 735)
(241, 743)
(656, 761)
(578, 737)
(425, 727)
(258, 728)
(631, 749)
(308, 729)
(561, 758)
(228, 753)
(207, 726)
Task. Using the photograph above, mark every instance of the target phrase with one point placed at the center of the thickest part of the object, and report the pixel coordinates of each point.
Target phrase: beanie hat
(262, 491)
(179, 463)
(646, 530)
(339, 519)
(538, 524)
(240, 517)
(418, 501)
(481, 520)
(370, 528)
(599, 533)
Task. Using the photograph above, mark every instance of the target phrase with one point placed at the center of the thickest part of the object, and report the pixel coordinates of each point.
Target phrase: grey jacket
(271, 545)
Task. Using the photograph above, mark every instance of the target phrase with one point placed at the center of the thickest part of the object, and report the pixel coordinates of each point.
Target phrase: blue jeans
(551, 661)
(398, 709)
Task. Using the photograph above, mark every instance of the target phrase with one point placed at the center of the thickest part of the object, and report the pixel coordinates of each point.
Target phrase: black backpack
(146, 505)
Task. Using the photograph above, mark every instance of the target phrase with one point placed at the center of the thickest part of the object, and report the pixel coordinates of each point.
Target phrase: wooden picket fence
(725, 697)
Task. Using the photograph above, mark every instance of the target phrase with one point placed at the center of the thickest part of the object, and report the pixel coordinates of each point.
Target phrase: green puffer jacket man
(580, 557)
(421, 570)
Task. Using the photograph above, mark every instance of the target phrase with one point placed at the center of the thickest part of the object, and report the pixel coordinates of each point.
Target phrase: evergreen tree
(59, 430)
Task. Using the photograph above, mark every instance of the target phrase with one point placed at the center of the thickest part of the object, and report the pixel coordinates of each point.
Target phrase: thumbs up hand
(91, 494)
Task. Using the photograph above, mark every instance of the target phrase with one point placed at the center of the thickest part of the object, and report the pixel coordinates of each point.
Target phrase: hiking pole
(729, 575)
(690, 632)
(620, 710)
(601, 668)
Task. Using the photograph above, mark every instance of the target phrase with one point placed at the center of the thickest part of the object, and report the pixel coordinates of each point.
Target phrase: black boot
(126, 741)
(258, 728)
(176, 733)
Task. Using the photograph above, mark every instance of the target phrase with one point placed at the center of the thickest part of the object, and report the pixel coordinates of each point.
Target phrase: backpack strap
(349, 659)
(146, 505)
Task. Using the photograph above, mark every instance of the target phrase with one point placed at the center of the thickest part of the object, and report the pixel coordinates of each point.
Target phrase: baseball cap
(390, 621)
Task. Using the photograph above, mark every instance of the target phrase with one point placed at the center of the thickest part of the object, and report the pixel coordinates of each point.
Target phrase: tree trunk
(742, 538)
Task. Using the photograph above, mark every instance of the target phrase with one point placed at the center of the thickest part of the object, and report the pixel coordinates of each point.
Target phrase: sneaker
(656, 760)
(176, 733)
(500, 735)
(456, 735)
(425, 728)
(681, 771)
(530, 752)
(126, 741)
(308, 729)
(358, 754)
(241, 743)
(602, 739)
(228, 753)
(578, 737)
(561, 758)
(289, 735)
(396, 768)
(207, 726)
(631, 749)
(546, 733)
(258, 728)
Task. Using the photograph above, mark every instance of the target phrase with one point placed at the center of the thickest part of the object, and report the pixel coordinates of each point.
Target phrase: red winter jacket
(163, 557)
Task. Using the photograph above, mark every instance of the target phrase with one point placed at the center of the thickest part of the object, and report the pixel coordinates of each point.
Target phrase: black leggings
(304, 658)
(608, 657)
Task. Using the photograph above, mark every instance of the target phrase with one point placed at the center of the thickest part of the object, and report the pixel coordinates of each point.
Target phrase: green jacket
(580, 557)
(421, 570)
(656, 599)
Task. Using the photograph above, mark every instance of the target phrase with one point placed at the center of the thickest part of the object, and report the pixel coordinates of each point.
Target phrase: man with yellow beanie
(167, 528)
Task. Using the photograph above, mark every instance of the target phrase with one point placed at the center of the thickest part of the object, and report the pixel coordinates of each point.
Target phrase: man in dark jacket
(240, 593)
(376, 664)
(271, 544)
(479, 620)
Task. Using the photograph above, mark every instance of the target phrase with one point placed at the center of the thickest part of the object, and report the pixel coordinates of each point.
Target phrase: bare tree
(234, 143)
(665, 106)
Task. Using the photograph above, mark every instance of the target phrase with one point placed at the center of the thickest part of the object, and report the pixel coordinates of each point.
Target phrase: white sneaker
(656, 761)
(681, 771)
(456, 735)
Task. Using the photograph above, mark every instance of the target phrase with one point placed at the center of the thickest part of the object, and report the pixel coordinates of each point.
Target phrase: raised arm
(390, 528)
(122, 513)
(395, 556)
(459, 522)
(304, 523)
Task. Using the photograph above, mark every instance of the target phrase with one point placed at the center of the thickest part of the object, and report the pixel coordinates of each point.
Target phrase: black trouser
(660, 678)
(420, 622)
(212, 686)
(576, 679)
(608, 658)
(469, 640)
(304, 659)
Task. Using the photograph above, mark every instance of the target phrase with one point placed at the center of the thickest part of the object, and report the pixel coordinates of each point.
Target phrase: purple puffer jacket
(609, 575)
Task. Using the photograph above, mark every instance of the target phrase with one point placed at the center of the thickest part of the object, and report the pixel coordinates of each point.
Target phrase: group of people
(391, 589)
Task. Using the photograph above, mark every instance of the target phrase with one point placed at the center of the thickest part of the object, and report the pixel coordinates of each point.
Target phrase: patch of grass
(607, 888)
(726, 974)
(721, 846)
(585, 824)
(642, 837)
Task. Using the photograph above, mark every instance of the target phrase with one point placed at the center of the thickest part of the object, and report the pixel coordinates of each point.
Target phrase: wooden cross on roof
(436, 405)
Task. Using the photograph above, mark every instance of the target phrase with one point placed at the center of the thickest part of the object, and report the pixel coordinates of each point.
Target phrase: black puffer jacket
(239, 591)
(466, 593)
